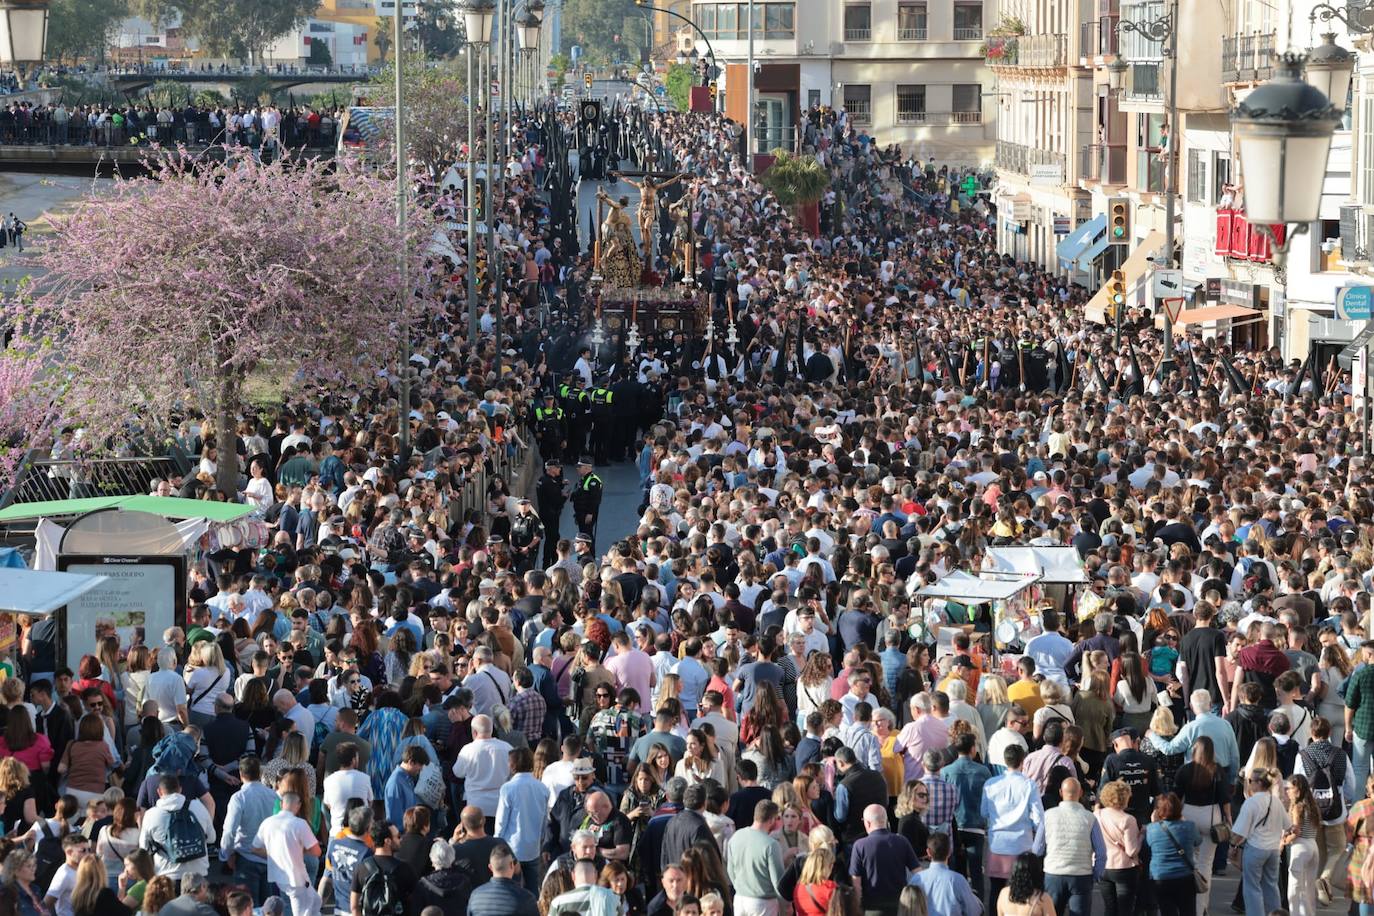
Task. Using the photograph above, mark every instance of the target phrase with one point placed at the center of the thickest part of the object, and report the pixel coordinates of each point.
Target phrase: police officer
(586, 499)
(551, 494)
(603, 423)
(576, 411)
(550, 428)
(526, 531)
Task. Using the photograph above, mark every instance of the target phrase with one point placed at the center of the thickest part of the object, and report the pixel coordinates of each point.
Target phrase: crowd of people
(29, 123)
(746, 705)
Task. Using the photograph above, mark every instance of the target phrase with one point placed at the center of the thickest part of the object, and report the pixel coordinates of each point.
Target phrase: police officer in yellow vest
(603, 423)
(550, 429)
(576, 413)
(586, 499)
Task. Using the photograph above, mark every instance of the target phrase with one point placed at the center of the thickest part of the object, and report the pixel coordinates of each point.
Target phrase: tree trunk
(226, 437)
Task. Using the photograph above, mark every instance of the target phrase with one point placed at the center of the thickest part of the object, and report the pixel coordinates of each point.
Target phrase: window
(968, 103)
(858, 22)
(1221, 175)
(968, 21)
(1197, 177)
(911, 104)
(858, 102)
(779, 20)
(727, 21)
(1366, 150)
(813, 98)
(706, 20)
(911, 22)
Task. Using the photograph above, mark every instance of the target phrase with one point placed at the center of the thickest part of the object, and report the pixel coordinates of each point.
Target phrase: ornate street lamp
(1116, 74)
(477, 16)
(1329, 68)
(23, 33)
(528, 28)
(1357, 16)
(1283, 133)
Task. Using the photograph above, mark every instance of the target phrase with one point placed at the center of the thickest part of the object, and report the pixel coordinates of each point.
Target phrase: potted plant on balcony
(798, 182)
(1000, 48)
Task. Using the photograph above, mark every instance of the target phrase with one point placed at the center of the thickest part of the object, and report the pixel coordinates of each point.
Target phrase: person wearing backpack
(177, 831)
(1333, 786)
(381, 882)
(46, 836)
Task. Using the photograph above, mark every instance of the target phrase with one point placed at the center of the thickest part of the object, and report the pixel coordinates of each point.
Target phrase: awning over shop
(29, 591)
(1133, 269)
(166, 506)
(1217, 313)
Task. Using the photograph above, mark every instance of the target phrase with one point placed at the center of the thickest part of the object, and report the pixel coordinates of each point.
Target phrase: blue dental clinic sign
(1354, 303)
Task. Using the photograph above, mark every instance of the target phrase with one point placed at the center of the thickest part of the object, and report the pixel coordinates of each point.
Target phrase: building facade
(909, 72)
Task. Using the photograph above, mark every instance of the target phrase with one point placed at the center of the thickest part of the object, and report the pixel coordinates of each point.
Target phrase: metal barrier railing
(42, 478)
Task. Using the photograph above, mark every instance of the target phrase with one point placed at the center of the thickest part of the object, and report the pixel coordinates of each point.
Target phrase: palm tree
(796, 181)
(383, 37)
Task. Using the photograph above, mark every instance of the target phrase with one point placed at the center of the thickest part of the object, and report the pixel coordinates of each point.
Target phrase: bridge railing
(80, 132)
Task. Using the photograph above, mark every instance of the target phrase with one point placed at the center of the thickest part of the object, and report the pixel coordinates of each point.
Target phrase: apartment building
(1044, 106)
(909, 72)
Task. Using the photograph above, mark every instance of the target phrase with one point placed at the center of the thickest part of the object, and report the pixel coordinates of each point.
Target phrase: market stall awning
(960, 586)
(166, 506)
(31, 591)
(1217, 313)
(1050, 564)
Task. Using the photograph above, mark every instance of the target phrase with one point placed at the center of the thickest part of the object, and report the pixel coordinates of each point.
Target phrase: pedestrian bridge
(135, 81)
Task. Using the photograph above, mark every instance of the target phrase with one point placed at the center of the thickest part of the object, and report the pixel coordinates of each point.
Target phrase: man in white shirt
(75, 848)
(1050, 650)
(343, 784)
(286, 839)
(489, 684)
(285, 702)
(166, 687)
(485, 764)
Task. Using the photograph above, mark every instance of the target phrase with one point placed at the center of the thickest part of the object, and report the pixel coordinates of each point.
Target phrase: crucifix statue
(648, 211)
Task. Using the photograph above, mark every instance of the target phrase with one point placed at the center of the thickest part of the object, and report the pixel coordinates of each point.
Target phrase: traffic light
(714, 90)
(1116, 293)
(587, 80)
(1119, 221)
(479, 200)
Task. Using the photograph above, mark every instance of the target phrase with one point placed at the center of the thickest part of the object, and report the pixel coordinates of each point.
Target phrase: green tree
(320, 55)
(594, 24)
(233, 28)
(438, 29)
(679, 81)
(80, 28)
(382, 38)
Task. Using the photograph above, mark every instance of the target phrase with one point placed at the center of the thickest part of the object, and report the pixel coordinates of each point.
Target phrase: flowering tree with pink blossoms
(27, 403)
(165, 295)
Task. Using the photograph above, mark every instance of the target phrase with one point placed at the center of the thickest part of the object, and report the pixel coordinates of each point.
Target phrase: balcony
(1103, 164)
(858, 34)
(1247, 58)
(1151, 171)
(1033, 52)
(970, 33)
(1144, 81)
(1018, 159)
(911, 34)
(939, 117)
(1098, 38)
(859, 111)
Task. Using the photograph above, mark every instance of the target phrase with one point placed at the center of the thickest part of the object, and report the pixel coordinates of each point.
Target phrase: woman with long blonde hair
(92, 895)
(816, 884)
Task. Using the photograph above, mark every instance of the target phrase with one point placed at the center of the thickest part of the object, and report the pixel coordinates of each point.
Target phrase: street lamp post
(23, 33)
(1283, 135)
(529, 27)
(477, 16)
(1161, 30)
(398, 31)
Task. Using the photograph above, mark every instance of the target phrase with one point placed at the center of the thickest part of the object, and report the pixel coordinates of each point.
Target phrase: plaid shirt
(944, 798)
(1359, 696)
(527, 710)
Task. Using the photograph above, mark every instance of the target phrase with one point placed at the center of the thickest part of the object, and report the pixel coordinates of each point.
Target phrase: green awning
(166, 506)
